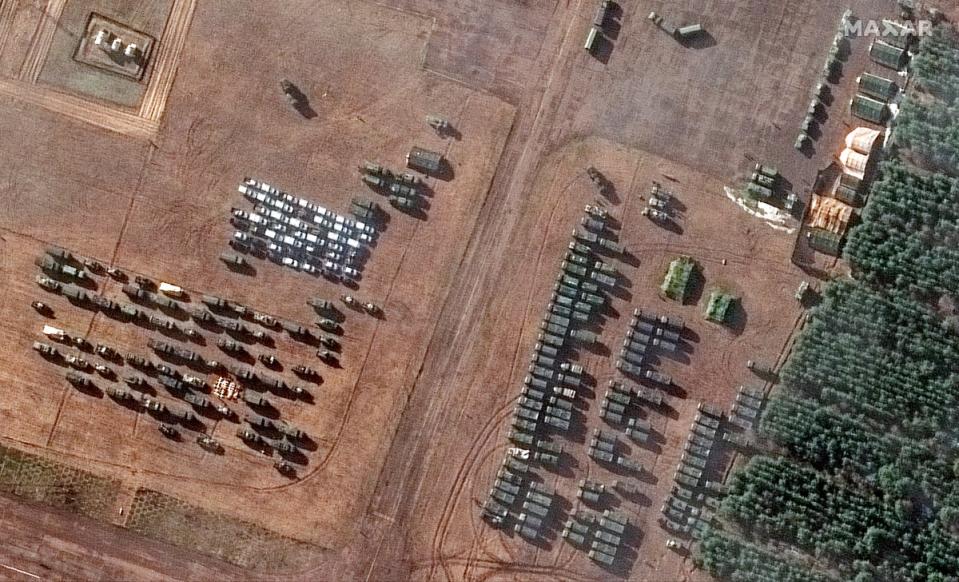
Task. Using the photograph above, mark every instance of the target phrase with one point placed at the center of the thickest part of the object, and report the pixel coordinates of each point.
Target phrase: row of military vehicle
(603, 447)
(143, 293)
(514, 496)
(745, 411)
(228, 345)
(600, 536)
(648, 331)
(400, 189)
(187, 386)
(681, 514)
(551, 386)
(189, 389)
(576, 296)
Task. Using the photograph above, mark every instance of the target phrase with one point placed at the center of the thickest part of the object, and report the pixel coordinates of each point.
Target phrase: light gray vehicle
(569, 380)
(545, 350)
(567, 291)
(594, 224)
(584, 336)
(558, 320)
(580, 248)
(603, 279)
(571, 368)
(522, 438)
(560, 403)
(577, 258)
(585, 236)
(558, 423)
(593, 299)
(617, 397)
(658, 377)
(233, 260)
(553, 328)
(559, 412)
(614, 407)
(525, 531)
(697, 450)
(640, 424)
(574, 269)
(524, 425)
(544, 360)
(631, 357)
(534, 382)
(694, 461)
(534, 405)
(611, 246)
(605, 268)
(76, 294)
(533, 392)
(706, 421)
(502, 496)
(506, 486)
(556, 341)
(601, 455)
(668, 335)
(51, 265)
(601, 445)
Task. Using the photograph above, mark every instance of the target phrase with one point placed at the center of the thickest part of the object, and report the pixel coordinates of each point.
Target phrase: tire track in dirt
(80, 109)
(42, 39)
(8, 10)
(554, 201)
(167, 60)
(459, 480)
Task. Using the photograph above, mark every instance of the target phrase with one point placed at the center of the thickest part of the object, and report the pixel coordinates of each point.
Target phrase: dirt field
(162, 210)
(410, 431)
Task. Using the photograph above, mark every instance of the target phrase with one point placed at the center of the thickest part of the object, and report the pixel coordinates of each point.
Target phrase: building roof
(887, 55)
(426, 159)
(868, 108)
(875, 86)
(830, 215)
(862, 139)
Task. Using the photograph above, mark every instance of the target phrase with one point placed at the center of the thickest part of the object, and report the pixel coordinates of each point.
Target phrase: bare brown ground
(413, 426)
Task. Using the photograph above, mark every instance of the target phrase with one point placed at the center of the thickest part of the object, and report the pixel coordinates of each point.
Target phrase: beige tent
(862, 139)
(853, 163)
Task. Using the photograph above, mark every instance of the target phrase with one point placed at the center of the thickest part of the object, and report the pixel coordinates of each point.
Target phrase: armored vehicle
(48, 283)
(78, 380)
(137, 293)
(169, 431)
(46, 350)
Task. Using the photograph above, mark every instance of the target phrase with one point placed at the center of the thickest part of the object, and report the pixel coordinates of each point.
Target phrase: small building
(876, 87)
(867, 108)
(424, 160)
(887, 55)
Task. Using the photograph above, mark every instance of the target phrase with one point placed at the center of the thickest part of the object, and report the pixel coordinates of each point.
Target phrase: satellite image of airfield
(479, 290)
